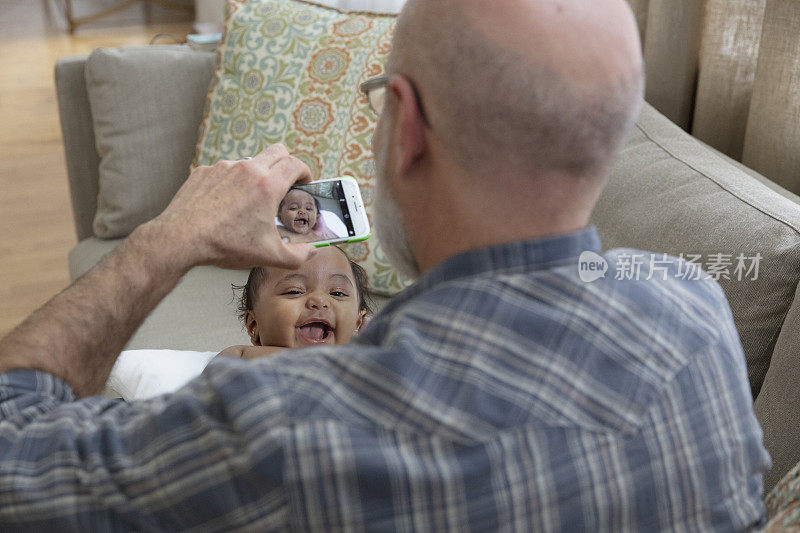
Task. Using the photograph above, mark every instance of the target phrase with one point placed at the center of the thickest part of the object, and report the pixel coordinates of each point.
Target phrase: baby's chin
(301, 228)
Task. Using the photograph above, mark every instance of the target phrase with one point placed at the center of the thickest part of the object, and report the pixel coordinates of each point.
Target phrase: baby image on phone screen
(303, 220)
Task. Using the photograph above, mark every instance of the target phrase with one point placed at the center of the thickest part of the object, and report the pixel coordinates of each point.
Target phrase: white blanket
(142, 374)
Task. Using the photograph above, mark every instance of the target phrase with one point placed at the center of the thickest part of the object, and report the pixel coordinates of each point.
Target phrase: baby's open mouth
(301, 222)
(316, 331)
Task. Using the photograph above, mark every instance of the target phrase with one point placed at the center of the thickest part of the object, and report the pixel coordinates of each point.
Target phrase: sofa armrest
(79, 141)
(778, 403)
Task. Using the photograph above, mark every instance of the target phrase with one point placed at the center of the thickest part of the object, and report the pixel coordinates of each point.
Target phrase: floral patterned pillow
(288, 72)
(783, 504)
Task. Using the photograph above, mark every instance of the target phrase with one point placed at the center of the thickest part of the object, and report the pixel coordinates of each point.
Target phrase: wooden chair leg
(70, 21)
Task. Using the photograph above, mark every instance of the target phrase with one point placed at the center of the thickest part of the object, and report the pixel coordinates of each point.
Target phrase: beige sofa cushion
(147, 103)
(669, 193)
(199, 314)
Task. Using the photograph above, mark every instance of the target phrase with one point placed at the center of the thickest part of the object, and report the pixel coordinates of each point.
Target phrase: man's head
(522, 103)
(324, 301)
(298, 211)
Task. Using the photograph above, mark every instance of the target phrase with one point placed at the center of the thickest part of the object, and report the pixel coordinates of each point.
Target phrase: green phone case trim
(321, 244)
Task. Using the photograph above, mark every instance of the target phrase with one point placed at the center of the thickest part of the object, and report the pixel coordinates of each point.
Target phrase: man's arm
(78, 334)
(223, 215)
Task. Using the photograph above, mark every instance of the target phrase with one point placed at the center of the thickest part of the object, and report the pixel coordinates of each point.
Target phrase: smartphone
(323, 212)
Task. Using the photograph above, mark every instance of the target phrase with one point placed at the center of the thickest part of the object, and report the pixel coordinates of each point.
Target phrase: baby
(324, 301)
(300, 214)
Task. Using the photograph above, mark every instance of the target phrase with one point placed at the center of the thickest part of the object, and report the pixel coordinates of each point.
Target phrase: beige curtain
(728, 71)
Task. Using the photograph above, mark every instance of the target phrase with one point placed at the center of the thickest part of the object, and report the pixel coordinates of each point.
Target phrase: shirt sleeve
(209, 455)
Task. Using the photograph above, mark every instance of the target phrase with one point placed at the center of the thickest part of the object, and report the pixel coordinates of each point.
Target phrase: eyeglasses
(375, 91)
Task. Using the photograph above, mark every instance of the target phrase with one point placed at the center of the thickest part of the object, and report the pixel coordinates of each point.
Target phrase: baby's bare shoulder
(250, 352)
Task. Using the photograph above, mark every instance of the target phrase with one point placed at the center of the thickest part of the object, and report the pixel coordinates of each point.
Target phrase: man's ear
(252, 327)
(409, 124)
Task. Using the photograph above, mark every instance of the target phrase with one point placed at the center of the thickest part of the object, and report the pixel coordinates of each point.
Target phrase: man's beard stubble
(388, 220)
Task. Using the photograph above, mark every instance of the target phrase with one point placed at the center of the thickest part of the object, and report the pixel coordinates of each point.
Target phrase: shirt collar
(520, 256)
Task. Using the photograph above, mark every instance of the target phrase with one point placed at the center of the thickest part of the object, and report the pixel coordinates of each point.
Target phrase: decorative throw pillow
(146, 103)
(288, 72)
(783, 504)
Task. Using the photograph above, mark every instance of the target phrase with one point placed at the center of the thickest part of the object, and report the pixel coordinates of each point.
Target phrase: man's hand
(224, 215)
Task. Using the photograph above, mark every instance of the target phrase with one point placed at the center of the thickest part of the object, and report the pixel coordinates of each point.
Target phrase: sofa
(668, 193)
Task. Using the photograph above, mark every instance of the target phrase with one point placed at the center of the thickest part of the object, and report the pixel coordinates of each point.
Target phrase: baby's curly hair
(258, 275)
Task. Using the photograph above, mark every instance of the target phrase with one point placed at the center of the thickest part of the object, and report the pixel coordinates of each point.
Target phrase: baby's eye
(339, 294)
(292, 292)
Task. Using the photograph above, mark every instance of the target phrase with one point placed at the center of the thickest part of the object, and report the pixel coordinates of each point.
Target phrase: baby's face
(314, 304)
(298, 213)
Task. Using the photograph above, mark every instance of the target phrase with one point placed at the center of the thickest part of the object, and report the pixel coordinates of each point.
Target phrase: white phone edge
(355, 206)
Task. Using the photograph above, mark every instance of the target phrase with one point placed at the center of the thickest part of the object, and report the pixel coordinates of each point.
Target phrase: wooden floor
(36, 229)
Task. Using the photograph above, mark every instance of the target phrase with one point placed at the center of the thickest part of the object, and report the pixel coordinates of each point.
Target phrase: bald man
(500, 392)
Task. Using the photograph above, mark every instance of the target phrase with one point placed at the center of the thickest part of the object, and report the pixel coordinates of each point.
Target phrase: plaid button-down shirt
(499, 393)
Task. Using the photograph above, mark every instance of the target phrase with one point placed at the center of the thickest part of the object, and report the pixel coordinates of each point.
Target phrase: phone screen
(315, 212)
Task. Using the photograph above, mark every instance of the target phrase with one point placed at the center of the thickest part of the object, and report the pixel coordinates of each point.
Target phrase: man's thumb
(295, 254)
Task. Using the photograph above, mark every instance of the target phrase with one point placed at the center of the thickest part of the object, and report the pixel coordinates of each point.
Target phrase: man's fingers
(305, 172)
(276, 158)
(292, 255)
(221, 168)
(291, 171)
(268, 156)
(241, 194)
(201, 169)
